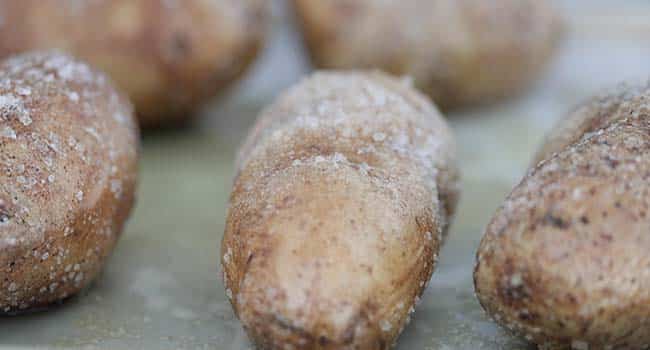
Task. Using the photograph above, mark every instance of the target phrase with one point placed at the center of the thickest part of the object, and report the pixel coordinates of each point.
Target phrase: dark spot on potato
(555, 221)
(282, 323)
(584, 220)
(572, 299)
(323, 341)
(612, 163)
(606, 237)
(513, 291)
(181, 45)
(286, 201)
(512, 294)
(528, 316)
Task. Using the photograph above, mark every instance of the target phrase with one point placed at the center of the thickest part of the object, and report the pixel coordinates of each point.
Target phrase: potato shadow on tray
(449, 315)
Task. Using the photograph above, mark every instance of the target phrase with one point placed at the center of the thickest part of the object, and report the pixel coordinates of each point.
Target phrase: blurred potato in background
(461, 52)
(169, 56)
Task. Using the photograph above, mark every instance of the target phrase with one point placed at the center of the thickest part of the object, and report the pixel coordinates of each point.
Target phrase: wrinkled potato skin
(68, 166)
(344, 190)
(565, 261)
(168, 56)
(461, 52)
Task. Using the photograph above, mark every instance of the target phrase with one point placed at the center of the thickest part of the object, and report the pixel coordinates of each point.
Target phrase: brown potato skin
(344, 190)
(169, 56)
(564, 261)
(460, 52)
(68, 167)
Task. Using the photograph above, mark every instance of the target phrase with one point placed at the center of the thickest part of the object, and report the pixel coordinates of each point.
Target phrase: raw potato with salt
(343, 196)
(460, 52)
(169, 56)
(68, 153)
(565, 260)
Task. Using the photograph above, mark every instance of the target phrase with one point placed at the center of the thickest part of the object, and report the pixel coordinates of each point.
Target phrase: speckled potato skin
(169, 56)
(565, 261)
(344, 191)
(68, 153)
(461, 52)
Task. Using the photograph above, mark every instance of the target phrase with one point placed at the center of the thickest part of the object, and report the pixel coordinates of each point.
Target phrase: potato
(68, 152)
(461, 52)
(343, 195)
(169, 56)
(565, 261)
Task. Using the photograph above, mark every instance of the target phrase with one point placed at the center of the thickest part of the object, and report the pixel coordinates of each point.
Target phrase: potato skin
(460, 52)
(564, 261)
(344, 191)
(168, 56)
(68, 154)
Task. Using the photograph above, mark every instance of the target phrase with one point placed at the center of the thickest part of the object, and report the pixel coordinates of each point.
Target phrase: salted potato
(343, 196)
(68, 152)
(565, 260)
(169, 56)
(461, 52)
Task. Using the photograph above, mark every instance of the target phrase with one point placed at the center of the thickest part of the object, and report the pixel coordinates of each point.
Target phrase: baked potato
(169, 56)
(460, 52)
(564, 261)
(343, 196)
(68, 166)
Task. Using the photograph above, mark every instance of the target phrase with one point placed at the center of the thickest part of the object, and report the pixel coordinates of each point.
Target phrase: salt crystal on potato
(59, 159)
(344, 192)
(565, 261)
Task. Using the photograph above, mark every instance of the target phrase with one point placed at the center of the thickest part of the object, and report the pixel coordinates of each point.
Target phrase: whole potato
(461, 52)
(169, 56)
(565, 260)
(68, 153)
(345, 189)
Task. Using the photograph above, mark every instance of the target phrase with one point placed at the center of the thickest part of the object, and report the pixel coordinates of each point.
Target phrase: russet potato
(565, 261)
(68, 166)
(343, 196)
(170, 56)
